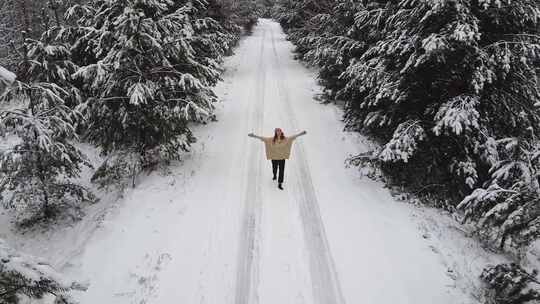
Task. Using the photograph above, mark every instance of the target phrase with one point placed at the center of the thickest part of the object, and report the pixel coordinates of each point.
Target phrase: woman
(278, 149)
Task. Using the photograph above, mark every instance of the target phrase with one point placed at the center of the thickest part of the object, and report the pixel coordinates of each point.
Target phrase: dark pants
(278, 164)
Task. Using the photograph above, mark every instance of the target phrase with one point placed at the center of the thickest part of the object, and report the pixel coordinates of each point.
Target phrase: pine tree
(464, 72)
(23, 19)
(507, 209)
(331, 42)
(247, 12)
(211, 38)
(444, 70)
(294, 15)
(37, 170)
(236, 16)
(148, 67)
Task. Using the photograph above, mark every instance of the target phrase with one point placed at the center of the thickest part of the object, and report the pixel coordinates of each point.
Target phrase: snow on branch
(458, 115)
(404, 142)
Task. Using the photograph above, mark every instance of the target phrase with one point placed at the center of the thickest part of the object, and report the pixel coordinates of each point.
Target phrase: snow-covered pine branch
(25, 277)
(148, 68)
(457, 116)
(507, 212)
(404, 142)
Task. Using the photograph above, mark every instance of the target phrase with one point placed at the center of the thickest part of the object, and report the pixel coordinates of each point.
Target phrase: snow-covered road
(215, 229)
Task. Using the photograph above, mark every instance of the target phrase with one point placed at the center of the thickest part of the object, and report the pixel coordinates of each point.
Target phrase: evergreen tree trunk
(26, 17)
(47, 210)
(54, 6)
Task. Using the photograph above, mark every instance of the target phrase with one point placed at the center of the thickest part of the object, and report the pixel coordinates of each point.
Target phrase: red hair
(282, 137)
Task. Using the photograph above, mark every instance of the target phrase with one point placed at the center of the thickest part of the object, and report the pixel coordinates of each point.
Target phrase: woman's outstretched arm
(299, 134)
(255, 136)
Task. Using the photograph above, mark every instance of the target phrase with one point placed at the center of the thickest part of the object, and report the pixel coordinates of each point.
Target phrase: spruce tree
(332, 42)
(148, 67)
(445, 85)
(37, 171)
(295, 17)
(236, 16)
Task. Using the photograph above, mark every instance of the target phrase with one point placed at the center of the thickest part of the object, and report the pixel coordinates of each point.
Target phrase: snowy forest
(100, 98)
(449, 90)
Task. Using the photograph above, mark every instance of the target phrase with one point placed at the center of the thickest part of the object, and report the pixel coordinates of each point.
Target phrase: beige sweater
(281, 149)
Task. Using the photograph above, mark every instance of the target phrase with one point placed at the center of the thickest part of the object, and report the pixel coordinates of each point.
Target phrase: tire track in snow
(210, 275)
(248, 253)
(324, 278)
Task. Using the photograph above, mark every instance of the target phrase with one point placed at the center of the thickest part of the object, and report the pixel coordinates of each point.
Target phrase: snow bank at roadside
(463, 256)
(67, 236)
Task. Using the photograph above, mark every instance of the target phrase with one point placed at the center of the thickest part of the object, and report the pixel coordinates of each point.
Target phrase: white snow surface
(215, 228)
(6, 76)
